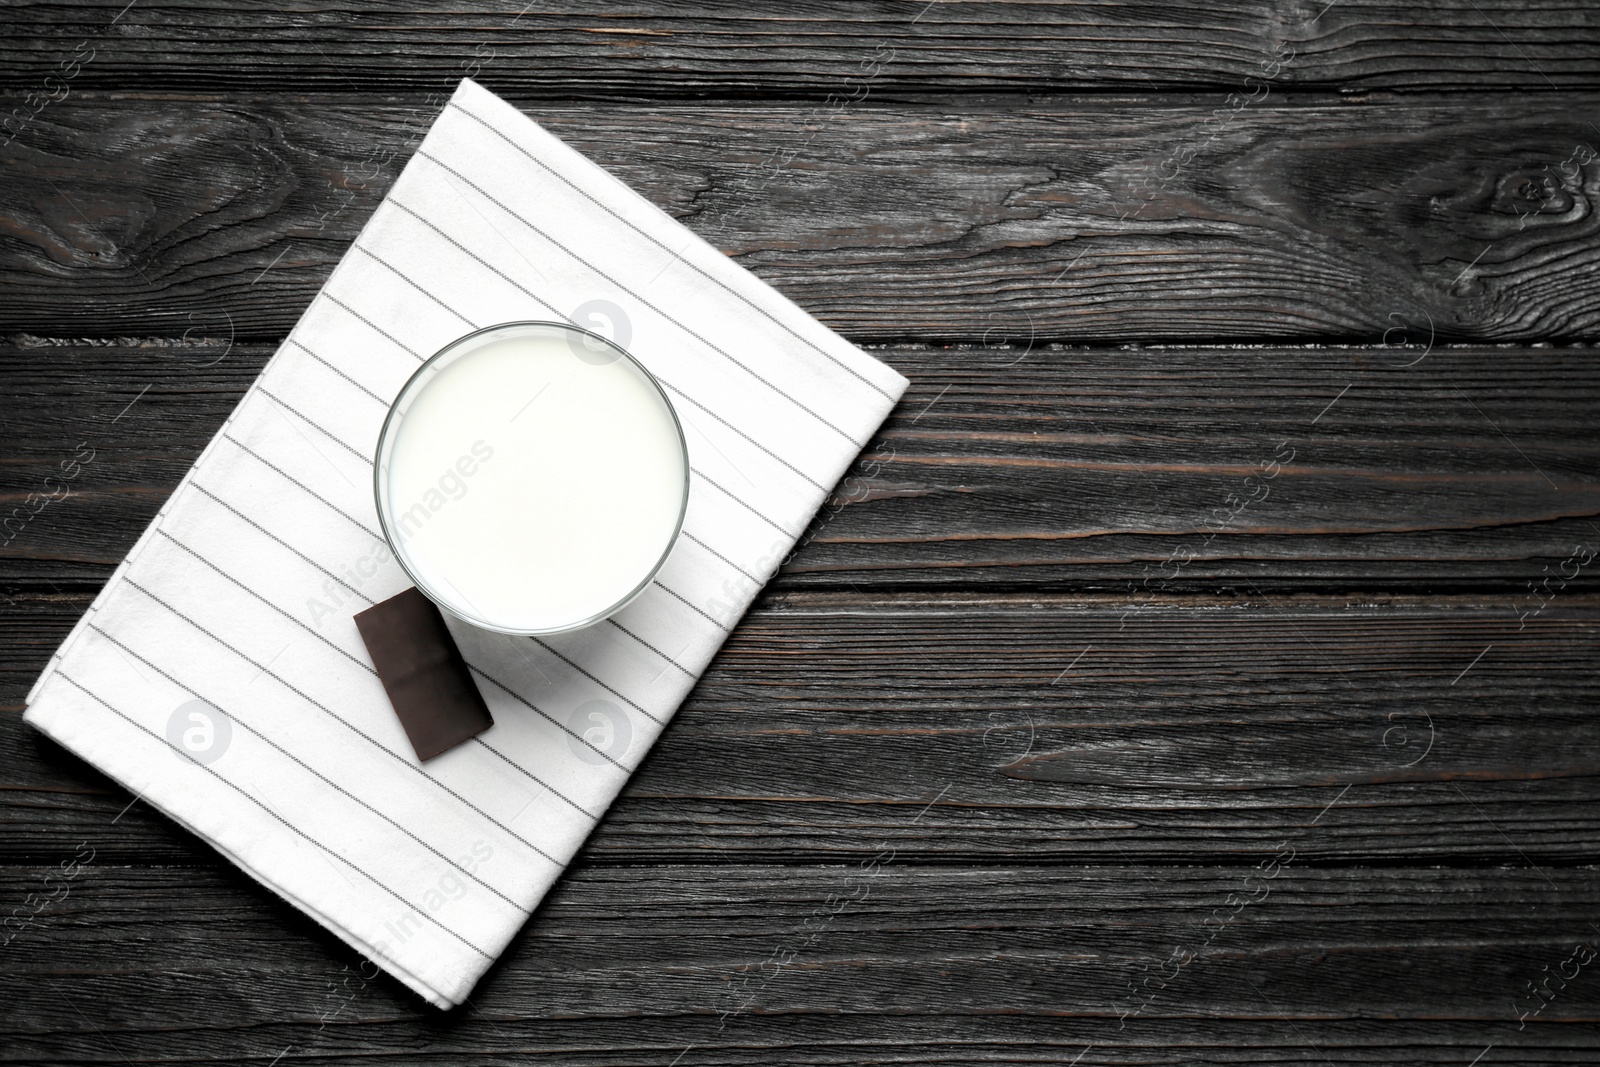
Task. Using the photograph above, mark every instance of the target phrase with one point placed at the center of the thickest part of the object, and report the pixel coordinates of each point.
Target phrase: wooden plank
(1161, 469)
(1315, 220)
(1023, 963)
(1063, 728)
(656, 49)
(1134, 472)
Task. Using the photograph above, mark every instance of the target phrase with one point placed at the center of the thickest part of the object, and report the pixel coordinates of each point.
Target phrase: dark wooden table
(1198, 668)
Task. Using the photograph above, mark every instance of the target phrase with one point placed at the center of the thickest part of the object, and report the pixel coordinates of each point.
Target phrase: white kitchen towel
(219, 674)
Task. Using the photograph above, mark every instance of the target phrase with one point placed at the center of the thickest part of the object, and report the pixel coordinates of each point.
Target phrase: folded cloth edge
(67, 739)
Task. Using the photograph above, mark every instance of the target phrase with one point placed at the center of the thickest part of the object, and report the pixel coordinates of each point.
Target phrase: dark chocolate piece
(423, 672)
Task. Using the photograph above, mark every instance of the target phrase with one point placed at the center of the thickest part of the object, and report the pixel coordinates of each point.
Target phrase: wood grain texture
(1138, 472)
(1042, 704)
(656, 49)
(1061, 728)
(1070, 221)
(742, 965)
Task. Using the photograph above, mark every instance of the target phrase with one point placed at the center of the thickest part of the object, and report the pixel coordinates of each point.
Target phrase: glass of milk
(531, 478)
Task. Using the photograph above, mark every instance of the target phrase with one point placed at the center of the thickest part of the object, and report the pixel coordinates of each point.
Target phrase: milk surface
(533, 484)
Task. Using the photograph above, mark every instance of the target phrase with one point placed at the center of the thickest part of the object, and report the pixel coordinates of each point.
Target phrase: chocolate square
(421, 668)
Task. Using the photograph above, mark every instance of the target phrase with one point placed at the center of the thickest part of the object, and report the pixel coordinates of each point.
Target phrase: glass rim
(391, 423)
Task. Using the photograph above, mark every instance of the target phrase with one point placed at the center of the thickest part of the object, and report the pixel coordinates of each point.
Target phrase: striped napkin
(219, 674)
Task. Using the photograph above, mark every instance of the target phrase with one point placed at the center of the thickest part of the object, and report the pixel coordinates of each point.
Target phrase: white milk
(533, 484)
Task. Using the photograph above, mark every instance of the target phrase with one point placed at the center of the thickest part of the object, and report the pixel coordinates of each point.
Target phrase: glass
(584, 505)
